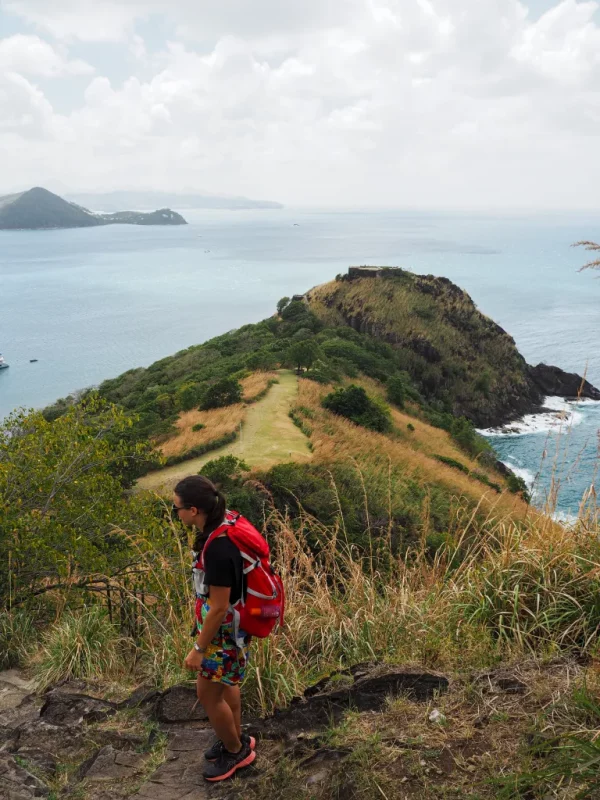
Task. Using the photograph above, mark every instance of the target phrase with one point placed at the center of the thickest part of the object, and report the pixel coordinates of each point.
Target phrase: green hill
(39, 209)
(460, 359)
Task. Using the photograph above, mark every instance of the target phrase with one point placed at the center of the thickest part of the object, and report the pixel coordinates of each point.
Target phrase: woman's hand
(193, 660)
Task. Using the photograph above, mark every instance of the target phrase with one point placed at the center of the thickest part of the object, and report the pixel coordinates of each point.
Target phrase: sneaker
(228, 763)
(214, 752)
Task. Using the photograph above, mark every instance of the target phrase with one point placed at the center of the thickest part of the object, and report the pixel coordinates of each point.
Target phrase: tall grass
(16, 634)
(496, 587)
(492, 591)
(83, 645)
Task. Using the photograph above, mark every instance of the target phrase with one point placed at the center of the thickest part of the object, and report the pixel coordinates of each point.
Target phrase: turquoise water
(89, 304)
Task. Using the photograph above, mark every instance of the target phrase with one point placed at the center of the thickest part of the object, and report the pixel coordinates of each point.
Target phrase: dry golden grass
(335, 438)
(218, 422)
(255, 384)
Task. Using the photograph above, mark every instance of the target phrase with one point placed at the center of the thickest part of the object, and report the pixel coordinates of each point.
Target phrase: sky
(453, 104)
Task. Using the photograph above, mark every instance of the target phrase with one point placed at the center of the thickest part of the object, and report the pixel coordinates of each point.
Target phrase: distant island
(113, 201)
(39, 209)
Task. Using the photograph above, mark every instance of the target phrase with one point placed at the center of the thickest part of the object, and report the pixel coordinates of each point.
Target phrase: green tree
(61, 498)
(283, 303)
(261, 360)
(224, 471)
(355, 404)
(303, 354)
(225, 392)
(164, 404)
(396, 390)
(188, 396)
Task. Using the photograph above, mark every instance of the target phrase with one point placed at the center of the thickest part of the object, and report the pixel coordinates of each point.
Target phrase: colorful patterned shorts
(223, 661)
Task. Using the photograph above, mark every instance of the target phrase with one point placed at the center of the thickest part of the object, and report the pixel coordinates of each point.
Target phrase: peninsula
(39, 209)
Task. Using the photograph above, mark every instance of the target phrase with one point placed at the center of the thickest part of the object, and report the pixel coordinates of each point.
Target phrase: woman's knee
(208, 692)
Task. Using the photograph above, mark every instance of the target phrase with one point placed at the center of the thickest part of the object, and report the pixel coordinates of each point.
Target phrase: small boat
(3, 364)
(33, 360)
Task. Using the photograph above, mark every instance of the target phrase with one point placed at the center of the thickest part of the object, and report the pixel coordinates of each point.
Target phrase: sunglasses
(175, 509)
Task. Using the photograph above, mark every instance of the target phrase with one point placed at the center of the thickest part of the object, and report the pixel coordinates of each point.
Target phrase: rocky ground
(395, 732)
(73, 742)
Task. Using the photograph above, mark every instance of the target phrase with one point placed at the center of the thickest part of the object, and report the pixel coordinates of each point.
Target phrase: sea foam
(560, 415)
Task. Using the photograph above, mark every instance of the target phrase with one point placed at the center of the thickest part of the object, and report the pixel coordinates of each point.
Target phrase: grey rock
(143, 695)
(52, 738)
(179, 704)
(42, 760)
(17, 783)
(365, 688)
(61, 708)
(111, 765)
(317, 777)
(27, 710)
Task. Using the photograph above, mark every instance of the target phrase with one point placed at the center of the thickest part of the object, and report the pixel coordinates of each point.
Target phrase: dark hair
(199, 492)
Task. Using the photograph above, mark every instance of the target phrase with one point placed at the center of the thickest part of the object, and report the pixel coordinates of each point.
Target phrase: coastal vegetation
(399, 538)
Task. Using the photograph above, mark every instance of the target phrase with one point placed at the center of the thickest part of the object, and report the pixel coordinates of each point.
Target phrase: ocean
(92, 303)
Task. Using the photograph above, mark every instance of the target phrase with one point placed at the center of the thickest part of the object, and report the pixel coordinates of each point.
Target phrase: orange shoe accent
(245, 763)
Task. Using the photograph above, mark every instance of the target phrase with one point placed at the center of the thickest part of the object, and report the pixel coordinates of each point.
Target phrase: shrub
(224, 471)
(410, 427)
(483, 478)
(199, 450)
(225, 392)
(299, 422)
(198, 427)
(451, 462)
(356, 405)
(82, 645)
(396, 390)
(261, 360)
(517, 485)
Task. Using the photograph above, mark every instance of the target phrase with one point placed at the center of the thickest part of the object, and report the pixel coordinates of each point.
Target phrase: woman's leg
(233, 699)
(221, 716)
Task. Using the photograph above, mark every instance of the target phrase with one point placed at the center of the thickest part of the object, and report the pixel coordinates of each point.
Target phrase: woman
(218, 660)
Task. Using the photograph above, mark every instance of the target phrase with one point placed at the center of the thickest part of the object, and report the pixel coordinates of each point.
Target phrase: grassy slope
(399, 456)
(268, 437)
(457, 352)
(217, 422)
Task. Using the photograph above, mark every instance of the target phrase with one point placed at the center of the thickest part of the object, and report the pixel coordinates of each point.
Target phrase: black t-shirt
(223, 566)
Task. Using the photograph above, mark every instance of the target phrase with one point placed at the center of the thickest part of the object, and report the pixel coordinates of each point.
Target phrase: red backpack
(262, 604)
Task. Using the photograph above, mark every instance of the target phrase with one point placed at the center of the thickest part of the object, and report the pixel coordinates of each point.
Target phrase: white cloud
(30, 55)
(380, 102)
(88, 20)
(24, 108)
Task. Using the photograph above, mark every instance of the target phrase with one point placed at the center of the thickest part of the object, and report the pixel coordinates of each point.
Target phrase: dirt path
(268, 437)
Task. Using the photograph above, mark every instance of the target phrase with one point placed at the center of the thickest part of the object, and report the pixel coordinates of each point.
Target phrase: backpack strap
(230, 519)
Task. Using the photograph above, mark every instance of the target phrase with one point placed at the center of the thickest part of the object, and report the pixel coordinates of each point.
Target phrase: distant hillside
(113, 201)
(40, 209)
